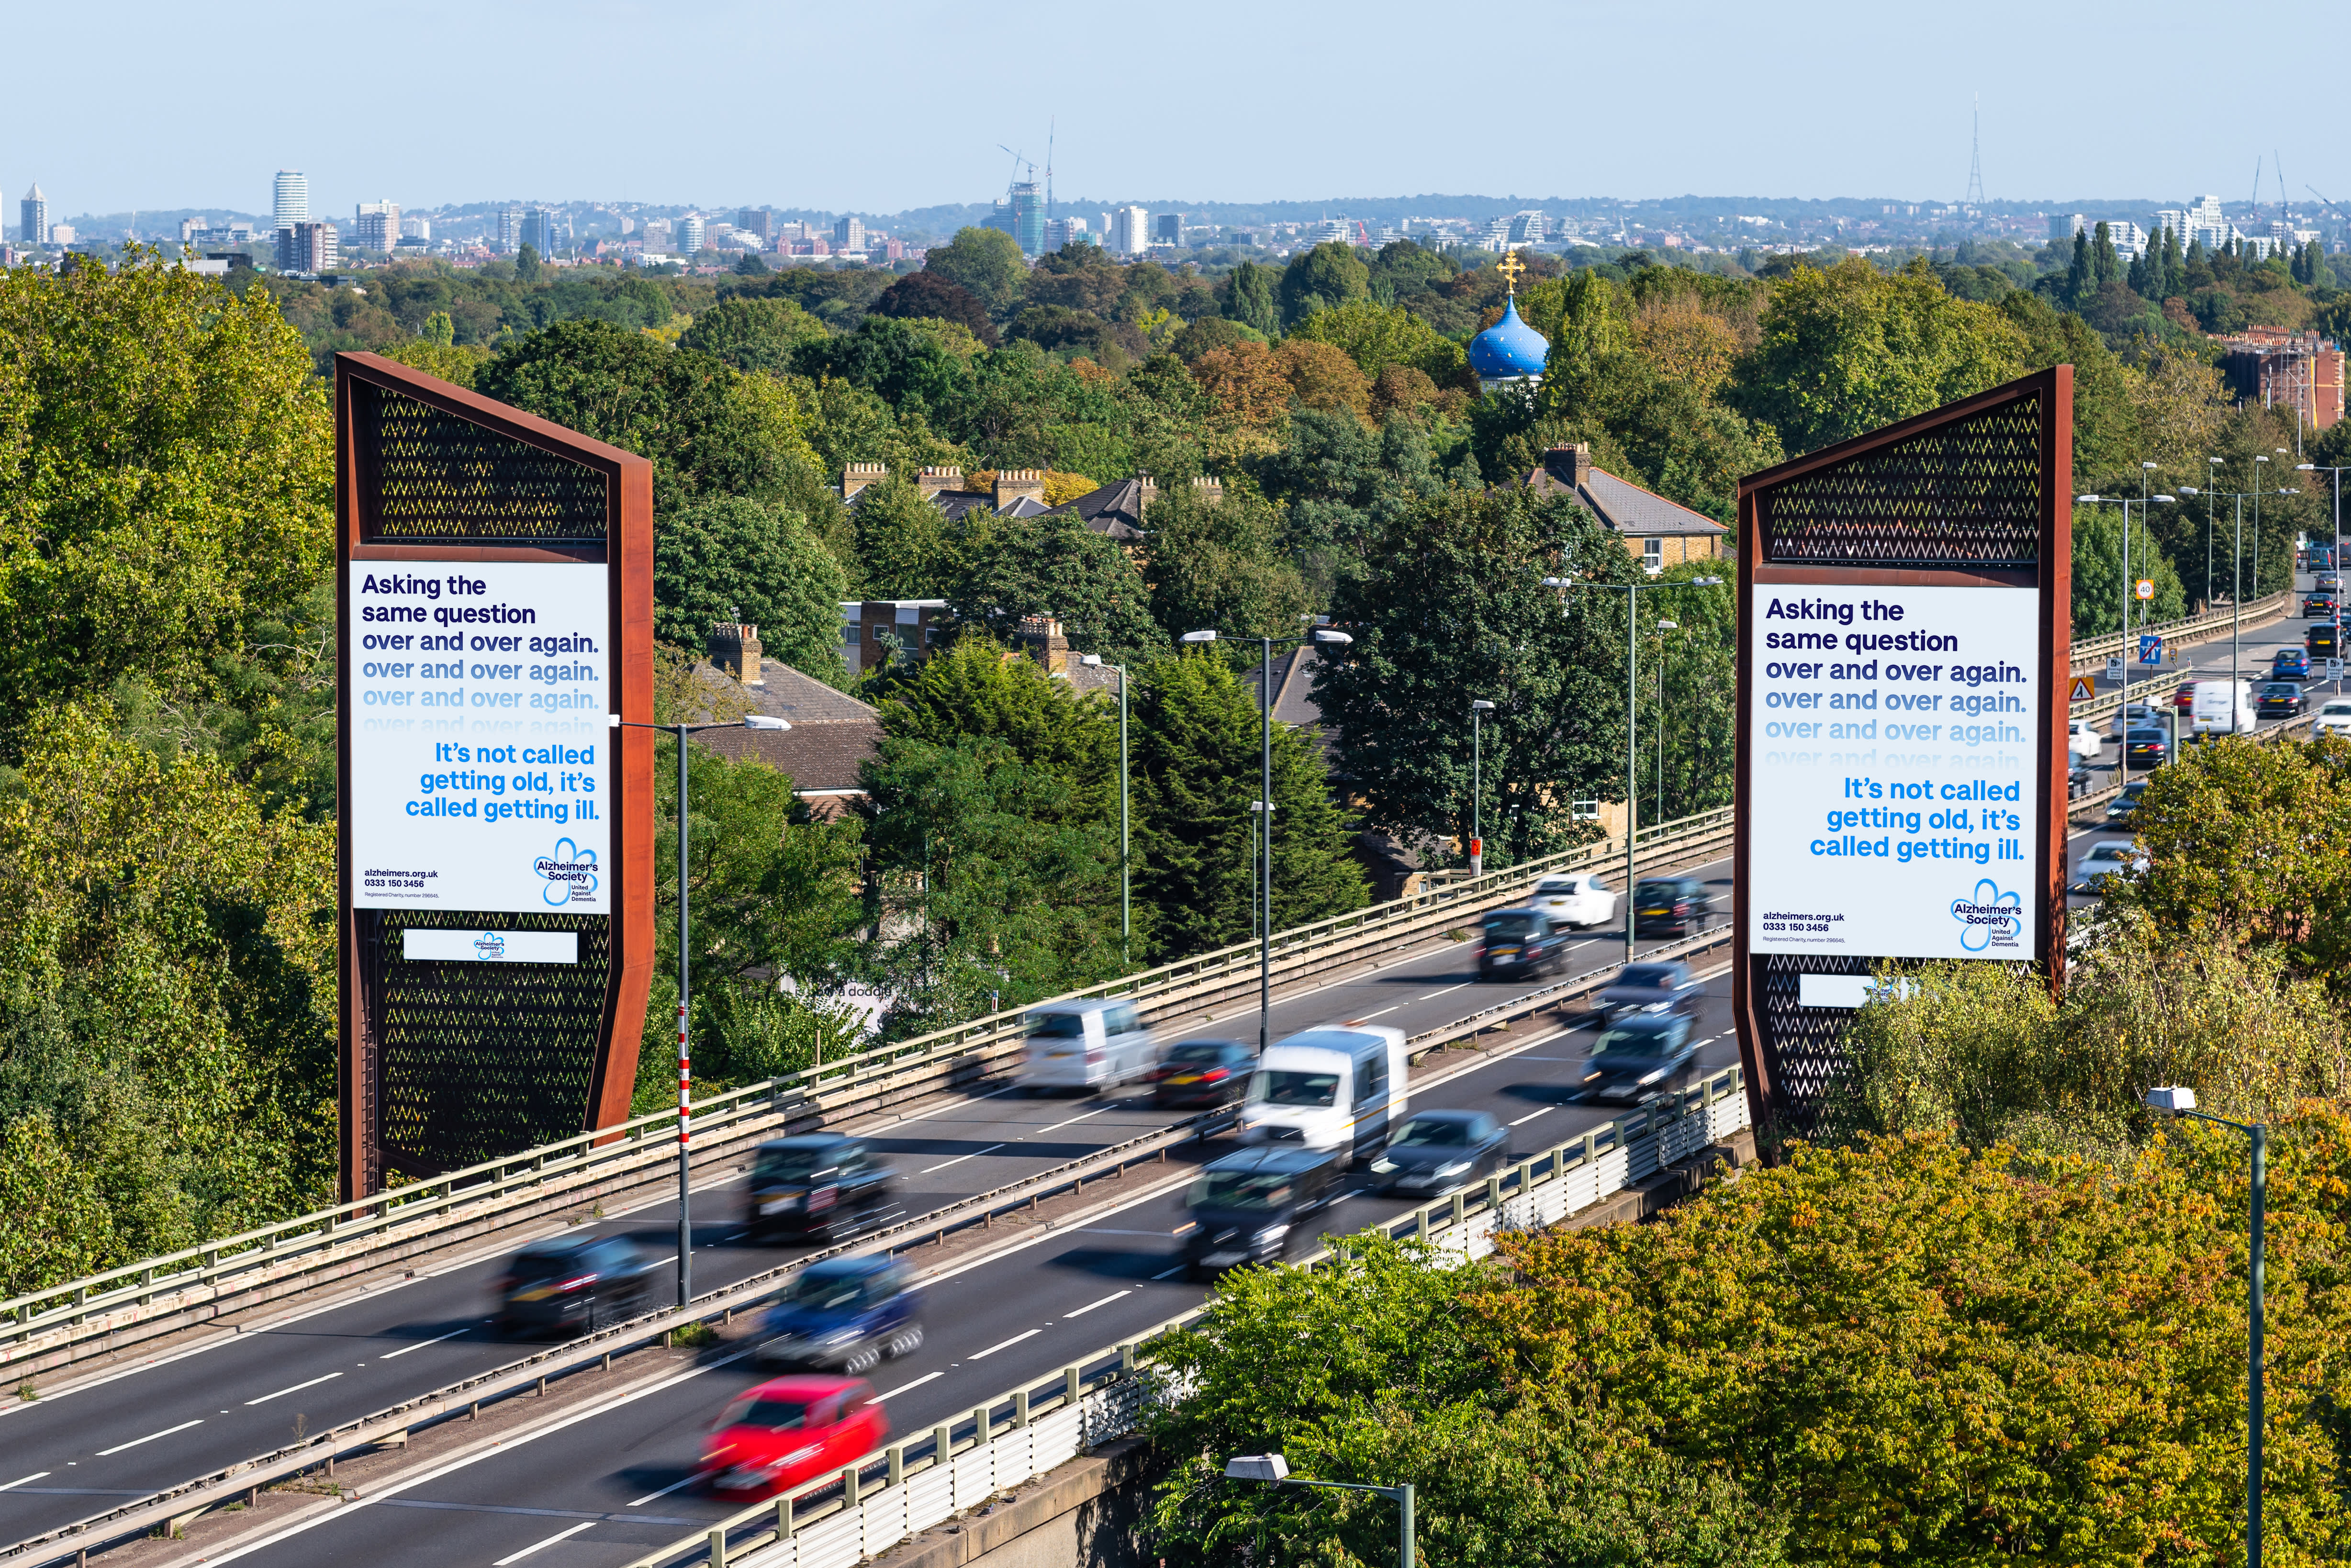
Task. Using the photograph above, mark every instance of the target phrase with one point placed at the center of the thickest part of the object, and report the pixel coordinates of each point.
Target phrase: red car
(792, 1429)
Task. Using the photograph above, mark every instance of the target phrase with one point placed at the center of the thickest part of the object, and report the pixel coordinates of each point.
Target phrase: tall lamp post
(1662, 626)
(684, 991)
(2122, 762)
(1274, 1469)
(1632, 592)
(1125, 893)
(1478, 708)
(2178, 1102)
(1324, 636)
(2336, 598)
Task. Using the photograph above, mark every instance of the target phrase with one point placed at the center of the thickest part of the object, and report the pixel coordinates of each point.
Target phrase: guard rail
(2189, 630)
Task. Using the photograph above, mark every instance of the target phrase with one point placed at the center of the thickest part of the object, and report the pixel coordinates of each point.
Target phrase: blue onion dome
(1509, 348)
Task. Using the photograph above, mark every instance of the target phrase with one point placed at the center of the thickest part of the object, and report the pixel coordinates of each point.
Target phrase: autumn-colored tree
(1247, 382)
(1320, 375)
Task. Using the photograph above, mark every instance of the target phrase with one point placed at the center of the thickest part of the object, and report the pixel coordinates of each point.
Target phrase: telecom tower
(1975, 196)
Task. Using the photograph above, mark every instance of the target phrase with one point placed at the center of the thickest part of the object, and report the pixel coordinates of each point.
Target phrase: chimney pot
(734, 647)
(932, 480)
(1012, 484)
(856, 476)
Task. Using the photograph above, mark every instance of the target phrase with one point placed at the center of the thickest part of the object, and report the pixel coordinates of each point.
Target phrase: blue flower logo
(1988, 915)
(569, 872)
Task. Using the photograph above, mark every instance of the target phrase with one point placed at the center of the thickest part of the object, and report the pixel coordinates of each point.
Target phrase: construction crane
(1017, 161)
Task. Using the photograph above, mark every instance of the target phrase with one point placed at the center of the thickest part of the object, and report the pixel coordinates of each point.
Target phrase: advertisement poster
(480, 757)
(1893, 771)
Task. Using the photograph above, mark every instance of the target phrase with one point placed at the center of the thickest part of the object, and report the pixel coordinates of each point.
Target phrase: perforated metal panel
(1804, 1047)
(441, 477)
(1962, 494)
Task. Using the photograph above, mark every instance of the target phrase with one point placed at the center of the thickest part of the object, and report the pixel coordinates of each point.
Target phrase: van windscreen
(1056, 1026)
(1274, 1086)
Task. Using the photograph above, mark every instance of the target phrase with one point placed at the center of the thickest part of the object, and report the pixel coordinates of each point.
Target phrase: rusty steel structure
(1975, 494)
(444, 1064)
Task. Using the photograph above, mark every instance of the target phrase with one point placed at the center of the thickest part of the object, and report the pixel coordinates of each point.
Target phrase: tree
(987, 263)
(749, 265)
(734, 558)
(1221, 563)
(1248, 297)
(977, 688)
(1322, 376)
(1247, 382)
(1209, 333)
(904, 543)
(1376, 336)
(753, 334)
(2101, 592)
(930, 293)
(1330, 275)
(1015, 568)
(525, 264)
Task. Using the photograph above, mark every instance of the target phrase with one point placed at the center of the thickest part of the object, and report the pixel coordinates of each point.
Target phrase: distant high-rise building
(509, 230)
(691, 233)
(415, 228)
(2063, 227)
(33, 213)
(1023, 216)
(758, 221)
(2203, 222)
(308, 247)
(375, 225)
(1530, 227)
(1168, 228)
(290, 202)
(1130, 231)
(849, 235)
(540, 230)
(1068, 231)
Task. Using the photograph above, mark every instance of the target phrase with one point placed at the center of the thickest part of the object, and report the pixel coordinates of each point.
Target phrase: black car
(1639, 1056)
(2279, 699)
(2078, 783)
(1250, 1207)
(2323, 642)
(2121, 808)
(818, 1185)
(1670, 906)
(2318, 607)
(1204, 1074)
(1436, 1151)
(1659, 987)
(1520, 942)
(2148, 747)
(570, 1284)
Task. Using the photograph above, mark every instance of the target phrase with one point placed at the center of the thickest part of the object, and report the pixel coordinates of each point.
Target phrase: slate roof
(831, 731)
(1623, 506)
(1115, 509)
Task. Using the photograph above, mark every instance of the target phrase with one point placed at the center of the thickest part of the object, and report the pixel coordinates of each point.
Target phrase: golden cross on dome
(1509, 267)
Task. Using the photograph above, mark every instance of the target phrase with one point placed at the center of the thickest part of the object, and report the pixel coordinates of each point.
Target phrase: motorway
(602, 1488)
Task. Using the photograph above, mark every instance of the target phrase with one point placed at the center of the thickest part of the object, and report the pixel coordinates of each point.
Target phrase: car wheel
(906, 1341)
(865, 1359)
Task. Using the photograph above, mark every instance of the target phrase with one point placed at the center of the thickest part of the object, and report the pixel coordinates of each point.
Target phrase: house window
(1652, 554)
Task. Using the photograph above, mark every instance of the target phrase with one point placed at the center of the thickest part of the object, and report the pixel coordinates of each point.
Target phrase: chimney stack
(733, 648)
(1012, 484)
(931, 481)
(1042, 638)
(1207, 487)
(1150, 490)
(1570, 466)
(856, 476)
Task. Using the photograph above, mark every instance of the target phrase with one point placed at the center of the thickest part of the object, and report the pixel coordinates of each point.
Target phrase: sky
(877, 106)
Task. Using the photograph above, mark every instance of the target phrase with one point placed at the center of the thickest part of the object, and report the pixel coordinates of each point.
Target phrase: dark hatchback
(1639, 1056)
(2279, 699)
(1250, 1207)
(845, 1313)
(1657, 988)
(1204, 1074)
(1436, 1151)
(1670, 906)
(818, 1185)
(2148, 745)
(2318, 607)
(2324, 641)
(1520, 942)
(570, 1284)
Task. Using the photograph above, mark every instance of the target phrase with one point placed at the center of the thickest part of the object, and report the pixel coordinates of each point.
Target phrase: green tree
(905, 546)
(2100, 589)
(975, 688)
(525, 264)
(753, 334)
(1220, 564)
(732, 559)
(987, 263)
(1015, 568)
(1249, 297)
(1330, 275)
(1376, 336)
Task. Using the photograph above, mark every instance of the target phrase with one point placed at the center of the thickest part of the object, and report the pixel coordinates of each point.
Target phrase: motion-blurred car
(1670, 905)
(1086, 1045)
(1519, 942)
(845, 1314)
(816, 1185)
(570, 1284)
(2290, 664)
(1250, 1207)
(2333, 717)
(1203, 1074)
(2082, 739)
(1575, 901)
(1659, 987)
(1638, 1056)
(2148, 748)
(2107, 857)
(1437, 1150)
(787, 1430)
(2120, 810)
(2279, 699)
(2137, 716)
(2078, 783)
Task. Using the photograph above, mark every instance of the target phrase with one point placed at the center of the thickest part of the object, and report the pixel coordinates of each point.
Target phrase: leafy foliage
(734, 558)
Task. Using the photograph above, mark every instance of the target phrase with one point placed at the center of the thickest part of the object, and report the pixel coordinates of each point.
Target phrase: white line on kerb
(558, 1535)
(1008, 1344)
(148, 1438)
(295, 1389)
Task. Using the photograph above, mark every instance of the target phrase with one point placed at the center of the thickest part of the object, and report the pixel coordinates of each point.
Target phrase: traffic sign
(2114, 668)
(2083, 689)
(2151, 648)
(2334, 669)
(2146, 589)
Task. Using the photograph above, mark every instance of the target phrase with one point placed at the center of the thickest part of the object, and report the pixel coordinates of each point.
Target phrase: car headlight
(843, 1337)
(1456, 1169)
(1384, 1164)
(1653, 1077)
(1270, 1234)
(1657, 1008)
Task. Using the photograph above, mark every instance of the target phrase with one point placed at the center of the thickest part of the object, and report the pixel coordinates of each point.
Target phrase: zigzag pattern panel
(477, 1061)
(440, 477)
(1965, 494)
(1803, 1047)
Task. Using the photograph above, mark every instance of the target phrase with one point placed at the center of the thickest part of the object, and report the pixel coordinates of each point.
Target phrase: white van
(2212, 711)
(1338, 1088)
(1085, 1045)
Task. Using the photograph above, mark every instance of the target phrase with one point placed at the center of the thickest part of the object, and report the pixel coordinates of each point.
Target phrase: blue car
(2290, 664)
(845, 1313)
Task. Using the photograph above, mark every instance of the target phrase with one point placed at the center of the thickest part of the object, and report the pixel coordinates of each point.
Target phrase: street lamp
(2179, 1102)
(684, 994)
(1662, 626)
(1125, 904)
(2122, 762)
(1477, 708)
(1324, 636)
(1274, 1469)
(2336, 597)
(1632, 591)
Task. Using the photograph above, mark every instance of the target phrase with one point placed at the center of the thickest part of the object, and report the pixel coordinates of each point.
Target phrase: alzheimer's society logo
(1989, 917)
(489, 947)
(569, 873)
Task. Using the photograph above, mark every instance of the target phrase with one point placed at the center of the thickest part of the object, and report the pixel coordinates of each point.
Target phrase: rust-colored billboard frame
(626, 550)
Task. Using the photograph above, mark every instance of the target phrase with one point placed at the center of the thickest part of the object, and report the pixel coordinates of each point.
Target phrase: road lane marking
(1070, 1123)
(1172, 1273)
(674, 1486)
(1532, 1115)
(1008, 1344)
(1446, 992)
(558, 1535)
(295, 1389)
(1366, 1017)
(1090, 1306)
(419, 1344)
(905, 1386)
(149, 1438)
(21, 1480)
(960, 1158)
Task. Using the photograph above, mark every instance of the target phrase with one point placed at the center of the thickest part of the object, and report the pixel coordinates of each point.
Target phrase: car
(1578, 901)
(817, 1185)
(2327, 582)
(1251, 1207)
(1670, 905)
(845, 1314)
(2333, 717)
(1437, 1150)
(1637, 1057)
(2279, 699)
(2148, 747)
(2324, 641)
(2318, 607)
(570, 1284)
(2137, 716)
(1211, 1074)
(2078, 783)
(2183, 699)
(1086, 1046)
(2120, 808)
(1519, 942)
(784, 1431)
(2290, 664)
(2082, 739)
(2107, 857)
(1654, 987)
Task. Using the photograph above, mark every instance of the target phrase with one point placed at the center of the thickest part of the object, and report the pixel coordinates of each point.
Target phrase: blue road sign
(2151, 648)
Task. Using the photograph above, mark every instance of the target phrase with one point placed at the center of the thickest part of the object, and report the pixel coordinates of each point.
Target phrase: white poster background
(1893, 786)
(481, 765)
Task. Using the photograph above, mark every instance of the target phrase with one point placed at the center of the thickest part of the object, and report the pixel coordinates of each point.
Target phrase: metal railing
(2191, 629)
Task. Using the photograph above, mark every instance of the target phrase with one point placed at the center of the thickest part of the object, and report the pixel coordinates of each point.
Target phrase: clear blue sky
(878, 106)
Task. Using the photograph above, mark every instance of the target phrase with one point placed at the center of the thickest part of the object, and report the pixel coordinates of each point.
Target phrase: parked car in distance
(1085, 1045)
(2290, 664)
(1519, 942)
(784, 1431)
(2119, 809)
(1638, 1056)
(1577, 901)
(1437, 1150)
(1203, 1072)
(818, 1185)
(2107, 857)
(1250, 1207)
(845, 1313)
(1664, 987)
(2333, 717)
(1670, 905)
(2082, 739)
(2279, 699)
(570, 1284)
(2148, 748)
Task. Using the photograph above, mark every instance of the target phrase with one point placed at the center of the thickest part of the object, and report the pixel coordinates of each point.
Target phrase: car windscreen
(1658, 892)
(1240, 1189)
(2280, 689)
(776, 1415)
(825, 1293)
(2334, 710)
(1646, 977)
(1276, 1086)
(1197, 1053)
(548, 1265)
(1635, 1043)
(1426, 1133)
(1056, 1026)
(1509, 924)
(793, 1164)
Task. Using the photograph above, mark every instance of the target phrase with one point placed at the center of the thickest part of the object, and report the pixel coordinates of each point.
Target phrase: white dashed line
(649, 1497)
(21, 1480)
(960, 1158)
(1532, 1115)
(295, 1389)
(1090, 1306)
(149, 1438)
(558, 1535)
(1446, 992)
(419, 1344)
(905, 1386)
(1008, 1344)
(1070, 1123)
